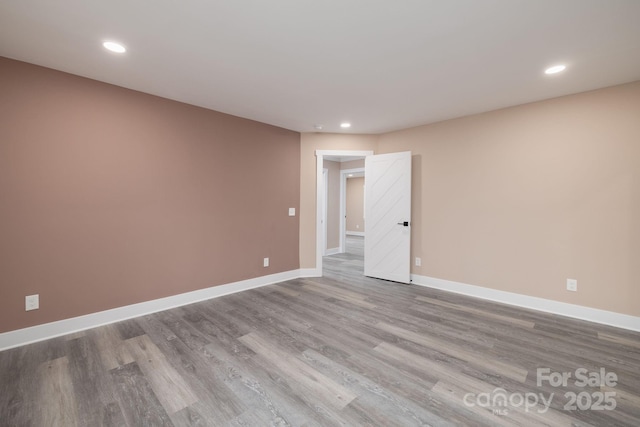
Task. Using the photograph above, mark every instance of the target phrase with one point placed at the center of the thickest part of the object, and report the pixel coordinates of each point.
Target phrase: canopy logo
(500, 401)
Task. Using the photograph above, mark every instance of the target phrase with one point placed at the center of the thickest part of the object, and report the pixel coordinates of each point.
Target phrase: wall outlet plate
(572, 285)
(418, 262)
(292, 211)
(31, 302)
(265, 262)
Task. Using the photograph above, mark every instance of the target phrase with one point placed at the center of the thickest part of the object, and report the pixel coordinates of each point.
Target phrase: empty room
(335, 213)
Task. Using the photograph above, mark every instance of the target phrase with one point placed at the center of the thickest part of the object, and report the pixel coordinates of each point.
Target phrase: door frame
(320, 194)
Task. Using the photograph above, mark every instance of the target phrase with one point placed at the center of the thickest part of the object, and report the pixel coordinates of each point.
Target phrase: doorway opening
(331, 221)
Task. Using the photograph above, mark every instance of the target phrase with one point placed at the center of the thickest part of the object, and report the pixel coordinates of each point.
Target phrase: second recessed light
(345, 125)
(114, 47)
(555, 69)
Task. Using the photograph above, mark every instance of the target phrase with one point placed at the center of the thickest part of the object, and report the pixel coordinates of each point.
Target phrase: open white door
(387, 245)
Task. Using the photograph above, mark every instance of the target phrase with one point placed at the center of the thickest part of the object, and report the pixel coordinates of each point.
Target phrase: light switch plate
(292, 211)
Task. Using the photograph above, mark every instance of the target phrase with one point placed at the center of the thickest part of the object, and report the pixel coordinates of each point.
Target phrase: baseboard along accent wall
(58, 328)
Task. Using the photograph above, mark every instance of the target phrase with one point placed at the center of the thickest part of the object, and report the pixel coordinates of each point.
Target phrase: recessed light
(114, 47)
(555, 69)
(350, 175)
(345, 125)
(317, 127)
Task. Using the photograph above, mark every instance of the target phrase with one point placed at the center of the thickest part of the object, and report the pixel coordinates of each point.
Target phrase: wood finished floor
(338, 350)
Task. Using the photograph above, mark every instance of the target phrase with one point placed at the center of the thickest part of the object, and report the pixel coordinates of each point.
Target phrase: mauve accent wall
(110, 197)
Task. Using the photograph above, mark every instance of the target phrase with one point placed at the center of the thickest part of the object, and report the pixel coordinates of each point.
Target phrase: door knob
(405, 223)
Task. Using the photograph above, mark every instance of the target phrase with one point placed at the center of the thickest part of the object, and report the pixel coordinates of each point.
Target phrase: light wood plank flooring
(339, 350)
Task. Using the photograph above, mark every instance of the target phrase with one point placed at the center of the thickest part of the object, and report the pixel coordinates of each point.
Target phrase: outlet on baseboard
(572, 285)
(418, 262)
(265, 262)
(31, 302)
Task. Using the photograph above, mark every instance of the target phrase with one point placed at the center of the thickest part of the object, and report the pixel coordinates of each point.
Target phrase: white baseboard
(33, 334)
(332, 251)
(76, 324)
(310, 272)
(549, 306)
(355, 233)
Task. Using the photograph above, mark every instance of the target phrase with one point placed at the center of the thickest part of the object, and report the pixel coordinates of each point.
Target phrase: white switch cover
(266, 262)
(292, 211)
(572, 285)
(31, 302)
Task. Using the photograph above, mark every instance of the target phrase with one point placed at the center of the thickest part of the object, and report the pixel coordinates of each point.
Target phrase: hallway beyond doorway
(348, 264)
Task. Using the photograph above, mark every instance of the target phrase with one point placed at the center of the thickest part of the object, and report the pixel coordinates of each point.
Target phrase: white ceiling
(381, 64)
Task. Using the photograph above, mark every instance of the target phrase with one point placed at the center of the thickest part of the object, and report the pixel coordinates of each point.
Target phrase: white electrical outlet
(292, 211)
(418, 262)
(572, 285)
(31, 302)
(265, 262)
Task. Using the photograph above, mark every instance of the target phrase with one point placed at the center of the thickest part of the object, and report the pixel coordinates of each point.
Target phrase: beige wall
(523, 198)
(110, 197)
(333, 204)
(355, 205)
(309, 143)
